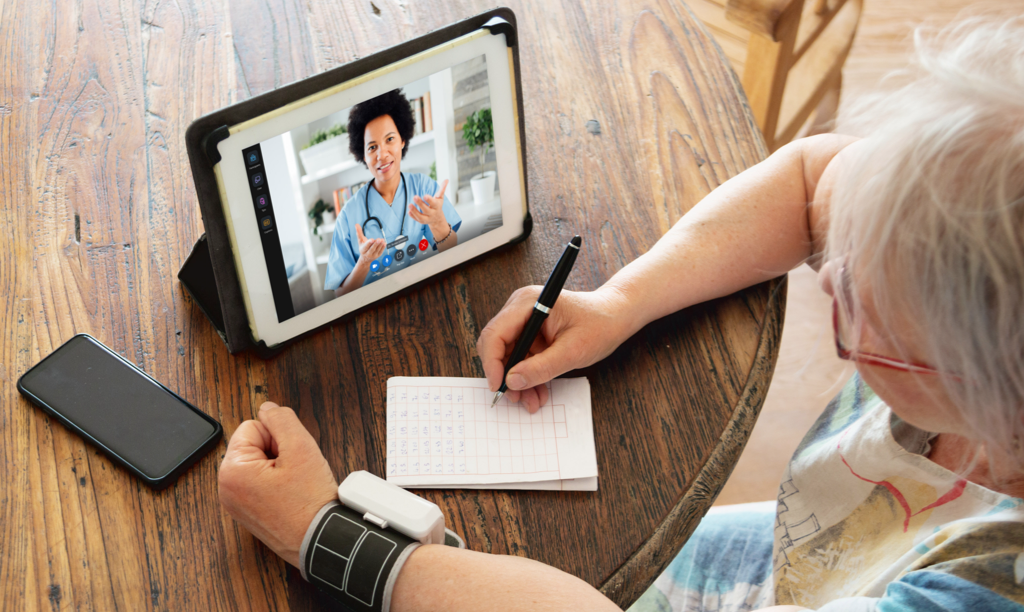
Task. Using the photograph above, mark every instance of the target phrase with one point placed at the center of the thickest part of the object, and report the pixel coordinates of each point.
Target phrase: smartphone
(135, 420)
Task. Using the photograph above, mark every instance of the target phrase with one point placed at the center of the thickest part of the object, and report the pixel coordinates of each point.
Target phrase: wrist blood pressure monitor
(355, 549)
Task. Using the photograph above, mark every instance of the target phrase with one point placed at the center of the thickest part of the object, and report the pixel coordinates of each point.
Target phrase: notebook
(443, 433)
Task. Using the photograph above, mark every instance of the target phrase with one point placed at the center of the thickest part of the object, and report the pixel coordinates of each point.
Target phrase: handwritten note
(443, 433)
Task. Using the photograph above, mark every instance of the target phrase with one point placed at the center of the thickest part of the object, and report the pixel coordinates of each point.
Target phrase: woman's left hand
(431, 212)
(274, 479)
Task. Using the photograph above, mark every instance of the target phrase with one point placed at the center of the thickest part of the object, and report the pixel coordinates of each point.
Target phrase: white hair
(933, 212)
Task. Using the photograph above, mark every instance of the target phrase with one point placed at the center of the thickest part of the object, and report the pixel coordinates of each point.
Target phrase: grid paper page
(569, 484)
(443, 431)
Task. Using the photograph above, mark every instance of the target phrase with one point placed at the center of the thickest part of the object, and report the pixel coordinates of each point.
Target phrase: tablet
(354, 192)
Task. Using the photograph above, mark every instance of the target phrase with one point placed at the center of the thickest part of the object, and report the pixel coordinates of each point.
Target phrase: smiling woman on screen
(368, 242)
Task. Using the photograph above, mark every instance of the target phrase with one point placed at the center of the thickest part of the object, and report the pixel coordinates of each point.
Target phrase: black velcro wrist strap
(354, 561)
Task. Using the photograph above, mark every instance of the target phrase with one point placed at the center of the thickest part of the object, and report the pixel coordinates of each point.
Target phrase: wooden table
(98, 211)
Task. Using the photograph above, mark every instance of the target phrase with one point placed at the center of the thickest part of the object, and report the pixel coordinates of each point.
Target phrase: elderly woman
(906, 494)
(397, 218)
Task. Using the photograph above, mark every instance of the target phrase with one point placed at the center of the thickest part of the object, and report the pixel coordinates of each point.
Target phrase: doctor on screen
(396, 219)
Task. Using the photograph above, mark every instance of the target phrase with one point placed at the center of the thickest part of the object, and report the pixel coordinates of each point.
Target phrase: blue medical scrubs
(345, 244)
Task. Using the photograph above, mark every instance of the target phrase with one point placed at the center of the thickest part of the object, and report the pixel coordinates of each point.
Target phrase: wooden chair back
(790, 54)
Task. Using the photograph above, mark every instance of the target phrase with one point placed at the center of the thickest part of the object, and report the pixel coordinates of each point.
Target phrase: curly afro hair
(391, 103)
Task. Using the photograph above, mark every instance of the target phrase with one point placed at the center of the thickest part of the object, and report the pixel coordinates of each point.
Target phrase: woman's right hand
(369, 249)
(582, 329)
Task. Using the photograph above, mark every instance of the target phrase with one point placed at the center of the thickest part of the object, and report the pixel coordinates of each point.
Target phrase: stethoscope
(398, 243)
(369, 217)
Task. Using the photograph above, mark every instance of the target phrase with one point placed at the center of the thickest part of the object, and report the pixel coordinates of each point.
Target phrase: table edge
(639, 571)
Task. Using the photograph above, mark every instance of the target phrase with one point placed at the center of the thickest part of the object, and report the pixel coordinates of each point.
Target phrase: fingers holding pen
(556, 350)
(501, 333)
(497, 341)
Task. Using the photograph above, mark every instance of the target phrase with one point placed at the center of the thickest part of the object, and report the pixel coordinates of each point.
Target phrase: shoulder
(817, 154)
(821, 158)
(421, 183)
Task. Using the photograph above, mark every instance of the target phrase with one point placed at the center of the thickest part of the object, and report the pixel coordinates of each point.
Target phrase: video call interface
(325, 224)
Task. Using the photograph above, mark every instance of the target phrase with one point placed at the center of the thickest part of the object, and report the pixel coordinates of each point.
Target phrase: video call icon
(374, 266)
(253, 157)
(262, 201)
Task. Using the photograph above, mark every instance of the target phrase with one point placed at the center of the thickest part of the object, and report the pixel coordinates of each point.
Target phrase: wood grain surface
(98, 211)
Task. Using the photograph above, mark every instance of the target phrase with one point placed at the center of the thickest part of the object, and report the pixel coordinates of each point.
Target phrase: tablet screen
(375, 188)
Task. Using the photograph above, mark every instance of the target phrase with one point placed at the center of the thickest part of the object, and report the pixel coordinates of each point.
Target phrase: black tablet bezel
(203, 135)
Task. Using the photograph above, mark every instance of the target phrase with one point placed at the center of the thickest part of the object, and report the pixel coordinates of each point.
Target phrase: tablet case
(211, 257)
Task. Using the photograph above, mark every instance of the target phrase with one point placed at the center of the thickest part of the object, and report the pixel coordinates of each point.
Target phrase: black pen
(544, 304)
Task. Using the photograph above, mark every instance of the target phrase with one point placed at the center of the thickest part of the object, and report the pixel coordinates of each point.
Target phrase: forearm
(757, 226)
(353, 281)
(439, 235)
(444, 578)
(447, 244)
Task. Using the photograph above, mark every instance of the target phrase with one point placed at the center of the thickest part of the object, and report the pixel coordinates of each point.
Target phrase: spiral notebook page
(443, 433)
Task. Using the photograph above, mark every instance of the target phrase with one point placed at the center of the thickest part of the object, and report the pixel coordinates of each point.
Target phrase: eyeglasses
(845, 352)
(842, 335)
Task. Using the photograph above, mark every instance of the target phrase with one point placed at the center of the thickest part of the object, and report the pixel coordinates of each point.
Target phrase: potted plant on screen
(325, 149)
(319, 211)
(478, 131)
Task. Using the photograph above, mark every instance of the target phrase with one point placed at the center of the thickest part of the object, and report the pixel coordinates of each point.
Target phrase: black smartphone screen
(123, 410)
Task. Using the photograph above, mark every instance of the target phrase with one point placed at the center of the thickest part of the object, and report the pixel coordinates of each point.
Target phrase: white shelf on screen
(349, 164)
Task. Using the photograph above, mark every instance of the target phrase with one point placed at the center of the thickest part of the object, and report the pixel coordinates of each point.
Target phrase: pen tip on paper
(497, 396)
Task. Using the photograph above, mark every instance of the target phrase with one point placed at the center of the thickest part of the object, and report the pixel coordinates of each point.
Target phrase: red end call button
(424, 244)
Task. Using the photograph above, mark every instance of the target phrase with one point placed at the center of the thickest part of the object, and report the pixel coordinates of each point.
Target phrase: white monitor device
(304, 187)
(390, 506)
